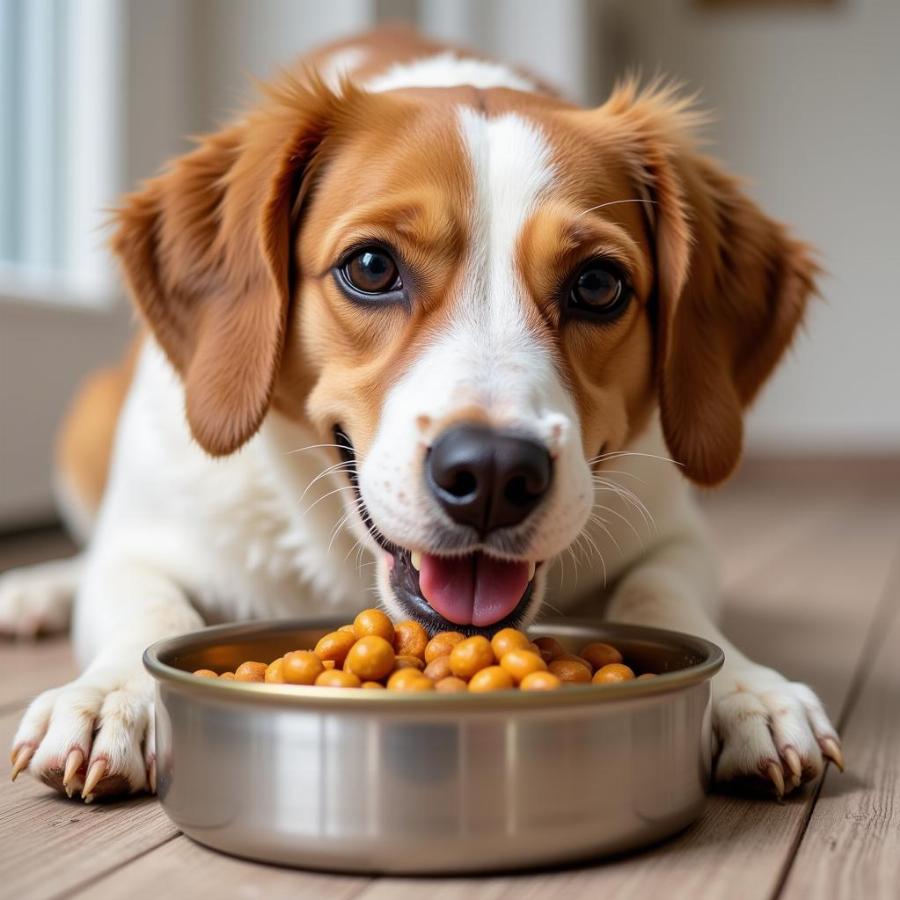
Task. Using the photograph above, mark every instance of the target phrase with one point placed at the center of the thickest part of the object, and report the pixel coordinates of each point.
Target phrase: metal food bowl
(379, 781)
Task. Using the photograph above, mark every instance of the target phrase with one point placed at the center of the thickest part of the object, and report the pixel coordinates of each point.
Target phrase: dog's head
(474, 295)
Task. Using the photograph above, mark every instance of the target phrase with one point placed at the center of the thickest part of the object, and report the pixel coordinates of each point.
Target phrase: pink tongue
(472, 590)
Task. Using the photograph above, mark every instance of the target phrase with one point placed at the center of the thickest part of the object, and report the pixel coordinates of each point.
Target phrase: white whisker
(313, 447)
(629, 497)
(348, 464)
(616, 454)
(614, 203)
(312, 506)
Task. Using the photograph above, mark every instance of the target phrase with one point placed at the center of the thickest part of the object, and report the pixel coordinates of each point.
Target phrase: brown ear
(206, 252)
(732, 286)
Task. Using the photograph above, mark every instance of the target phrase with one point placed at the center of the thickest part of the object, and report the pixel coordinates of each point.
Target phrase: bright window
(61, 147)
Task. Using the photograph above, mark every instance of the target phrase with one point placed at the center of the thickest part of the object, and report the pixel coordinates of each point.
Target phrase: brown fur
(84, 444)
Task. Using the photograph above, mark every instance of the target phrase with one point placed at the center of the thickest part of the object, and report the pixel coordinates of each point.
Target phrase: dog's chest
(243, 532)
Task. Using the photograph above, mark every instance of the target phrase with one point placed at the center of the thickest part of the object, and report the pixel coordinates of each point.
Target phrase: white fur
(183, 539)
(448, 70)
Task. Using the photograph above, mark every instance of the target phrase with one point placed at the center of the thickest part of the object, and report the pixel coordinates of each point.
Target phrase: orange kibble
(335, 646)
(540, 681)
(371, 658)
(250, 671)
(373, 685)
(470, 656)
(374, 622)
(570, 671)
(337, 678)
(410, 639)
(328, 663)
(349, 629)
(507, 639)
(439, 668)
(409, 680)
(301, 667)
(441, 644)
(451, 685)
(227, 676)
(205, 673)
(599, 654)
(579, 659)
(409, 662)
(274, 673)
(521, 662)
(613, 673)
(645, 676)
(493, 678)
(550, 648)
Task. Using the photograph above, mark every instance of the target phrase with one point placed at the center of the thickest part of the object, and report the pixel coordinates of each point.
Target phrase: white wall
(237, 39)
(808, 108)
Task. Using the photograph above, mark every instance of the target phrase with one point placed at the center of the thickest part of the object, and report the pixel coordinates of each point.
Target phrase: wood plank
(52, 845)
(29, 667)
(851, 847)
(807, 612)
(200, 873)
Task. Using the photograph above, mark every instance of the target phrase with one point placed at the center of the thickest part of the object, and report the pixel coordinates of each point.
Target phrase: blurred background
(96, 94)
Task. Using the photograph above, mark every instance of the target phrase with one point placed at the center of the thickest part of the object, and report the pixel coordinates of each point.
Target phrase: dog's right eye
(370, 272)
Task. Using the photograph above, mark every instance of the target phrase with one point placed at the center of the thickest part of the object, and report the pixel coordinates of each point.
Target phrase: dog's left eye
(371, 272)
(599, 290)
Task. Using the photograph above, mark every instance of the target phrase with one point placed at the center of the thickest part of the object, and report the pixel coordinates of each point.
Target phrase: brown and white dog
(416, 308)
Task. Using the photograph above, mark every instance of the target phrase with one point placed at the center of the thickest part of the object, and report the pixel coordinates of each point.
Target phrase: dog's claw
(773, 770)
(95, 775)
(832, 751)
(21, 758)
(73, 764)
(792, 758)
(151, 776)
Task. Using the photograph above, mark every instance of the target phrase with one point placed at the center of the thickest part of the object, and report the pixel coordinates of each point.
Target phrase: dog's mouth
(471, 592)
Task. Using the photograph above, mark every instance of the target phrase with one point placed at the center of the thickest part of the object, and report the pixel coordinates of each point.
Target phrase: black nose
(487, 478)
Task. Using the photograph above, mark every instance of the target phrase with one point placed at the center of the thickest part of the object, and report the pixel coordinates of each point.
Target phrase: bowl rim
(308, 696)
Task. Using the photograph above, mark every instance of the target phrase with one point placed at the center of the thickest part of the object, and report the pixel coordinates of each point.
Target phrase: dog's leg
(94, 736)
(38, 599)
(766, 728)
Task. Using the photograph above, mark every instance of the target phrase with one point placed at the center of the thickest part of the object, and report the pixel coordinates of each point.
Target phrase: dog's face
(475, 296)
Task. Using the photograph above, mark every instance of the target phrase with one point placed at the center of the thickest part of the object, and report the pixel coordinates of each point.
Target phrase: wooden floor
(811, 560)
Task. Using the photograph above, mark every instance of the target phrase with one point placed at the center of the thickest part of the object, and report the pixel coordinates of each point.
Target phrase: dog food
(375, 654)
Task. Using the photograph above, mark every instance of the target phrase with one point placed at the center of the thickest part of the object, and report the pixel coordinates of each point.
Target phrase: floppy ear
(732, 286)
(206, 252)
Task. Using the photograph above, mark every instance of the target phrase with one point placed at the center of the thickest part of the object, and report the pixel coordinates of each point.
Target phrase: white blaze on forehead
(511, 168)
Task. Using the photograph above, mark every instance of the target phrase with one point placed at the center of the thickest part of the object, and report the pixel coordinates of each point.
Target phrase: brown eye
(599, 289)
(371, 271)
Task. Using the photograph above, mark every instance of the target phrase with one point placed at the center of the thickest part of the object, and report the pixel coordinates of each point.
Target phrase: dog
(415, 307)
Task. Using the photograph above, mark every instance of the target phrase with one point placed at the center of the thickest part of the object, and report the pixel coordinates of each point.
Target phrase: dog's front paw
(90, 739)
(770, 731)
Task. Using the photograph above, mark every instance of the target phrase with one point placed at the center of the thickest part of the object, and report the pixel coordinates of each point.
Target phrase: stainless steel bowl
(376, 781)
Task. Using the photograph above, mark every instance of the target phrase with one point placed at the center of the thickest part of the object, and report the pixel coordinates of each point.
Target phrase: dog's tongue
(472, 590)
